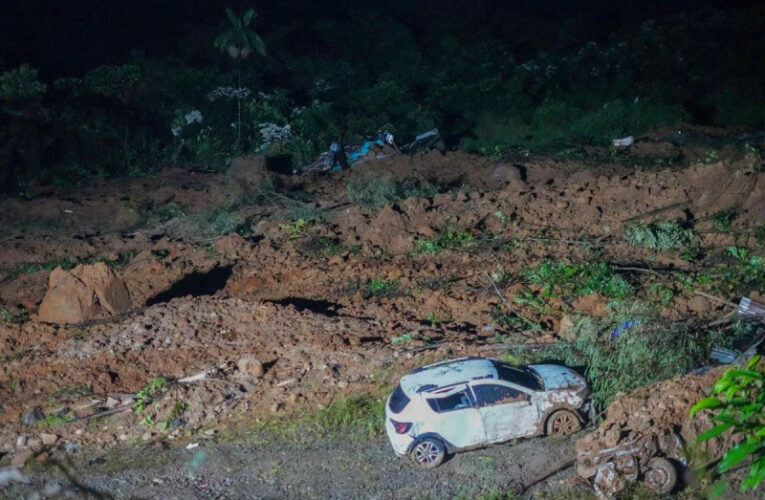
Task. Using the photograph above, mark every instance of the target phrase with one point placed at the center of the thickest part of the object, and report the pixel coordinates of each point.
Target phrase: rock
(33, 416)
(87, 292)
(21, 458)
(699, 305)
(48, 439)
(251, 366)
(21, 442)
(112, 403)
(566, 329)
(507, 174)
(36, 445)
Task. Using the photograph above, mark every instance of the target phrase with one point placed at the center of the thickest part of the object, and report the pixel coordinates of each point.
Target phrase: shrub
(557, 278)
(632, 347)
(450, 238)
(665, 235)
(372, 191)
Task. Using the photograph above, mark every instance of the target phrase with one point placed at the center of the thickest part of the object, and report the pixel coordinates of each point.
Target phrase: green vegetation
(150, 391)
(72, 391)
(17, 317)
(294, 229)
(558, 278)
(322, 246)
(378, 287)
(724, 219)
(52, 421)
(372, 191)
(170, 210)
(449, 238)
(738, 405)
(664, 235)
(360, 416)
(632, 347)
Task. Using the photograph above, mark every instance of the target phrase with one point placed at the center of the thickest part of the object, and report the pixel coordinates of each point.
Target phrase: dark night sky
(68, 38)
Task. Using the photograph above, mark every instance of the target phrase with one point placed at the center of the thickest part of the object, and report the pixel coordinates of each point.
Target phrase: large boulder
(86, 292)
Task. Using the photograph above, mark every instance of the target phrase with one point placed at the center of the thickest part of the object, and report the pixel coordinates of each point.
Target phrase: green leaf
(232, 17)
(737, 454)
(746, 374)
(706, 403)
(714, 432)
(248, 16)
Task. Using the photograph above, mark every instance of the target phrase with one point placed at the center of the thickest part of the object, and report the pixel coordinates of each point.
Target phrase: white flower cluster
(274, 135)
(193, 116)
(229, 93)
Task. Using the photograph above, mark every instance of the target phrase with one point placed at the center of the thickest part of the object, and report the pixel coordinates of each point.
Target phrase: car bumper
(399, 442)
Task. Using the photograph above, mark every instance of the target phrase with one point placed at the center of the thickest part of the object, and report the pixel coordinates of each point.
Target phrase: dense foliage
(738, 405)
(373, 68)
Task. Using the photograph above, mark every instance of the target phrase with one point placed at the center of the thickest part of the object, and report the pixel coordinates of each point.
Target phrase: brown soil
(304, 312)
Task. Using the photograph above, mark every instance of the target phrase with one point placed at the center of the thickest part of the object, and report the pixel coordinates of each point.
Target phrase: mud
(299, 302)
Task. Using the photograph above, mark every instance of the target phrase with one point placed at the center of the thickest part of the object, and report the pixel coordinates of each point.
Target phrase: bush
(633, 347)
(557, 278)
(372, 191)
(665, 235)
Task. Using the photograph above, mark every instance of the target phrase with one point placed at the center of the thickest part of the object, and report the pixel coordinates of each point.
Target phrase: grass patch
(354, 416)
(372, 191)
(378, 287)
(557, 278)
(72, 391)
(13, 318)
(52, 421)
(151, 390)
(663, 235)
(170, 210)
(449, 238)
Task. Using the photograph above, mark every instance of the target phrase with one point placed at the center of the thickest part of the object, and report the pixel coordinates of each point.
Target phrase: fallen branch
(716, 299)
(104, 413)
(658, 211)
(506, 304)
(547, 475)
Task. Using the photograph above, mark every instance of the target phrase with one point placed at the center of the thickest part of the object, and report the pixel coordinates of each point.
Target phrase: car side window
(491, 394)
(457, 401)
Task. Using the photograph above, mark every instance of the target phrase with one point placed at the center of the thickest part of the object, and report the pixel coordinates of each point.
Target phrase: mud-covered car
(471, 402)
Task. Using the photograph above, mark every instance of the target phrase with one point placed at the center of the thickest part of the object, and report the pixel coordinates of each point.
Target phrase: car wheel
(429, 453)
(563, 423)
(660, 475)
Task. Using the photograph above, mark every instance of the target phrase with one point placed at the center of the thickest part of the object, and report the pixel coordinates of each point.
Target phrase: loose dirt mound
(650, 421)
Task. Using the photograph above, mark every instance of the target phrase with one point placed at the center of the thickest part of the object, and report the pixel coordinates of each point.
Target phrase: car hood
(557, 377)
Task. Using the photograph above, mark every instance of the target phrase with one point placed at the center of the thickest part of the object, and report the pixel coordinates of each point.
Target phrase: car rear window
(514, 375)
(398, 400)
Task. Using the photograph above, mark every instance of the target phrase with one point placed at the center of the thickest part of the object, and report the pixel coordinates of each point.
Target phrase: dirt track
(360, 468)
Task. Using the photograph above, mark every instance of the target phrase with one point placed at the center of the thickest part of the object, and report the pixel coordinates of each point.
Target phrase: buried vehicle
(471, 402)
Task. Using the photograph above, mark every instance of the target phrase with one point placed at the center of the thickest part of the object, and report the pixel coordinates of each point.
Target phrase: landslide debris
(85, 293)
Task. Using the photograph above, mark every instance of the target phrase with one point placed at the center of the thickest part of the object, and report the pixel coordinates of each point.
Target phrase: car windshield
(520, 376)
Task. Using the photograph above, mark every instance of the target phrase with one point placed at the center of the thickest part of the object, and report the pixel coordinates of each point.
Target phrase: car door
(457, 420)
(506, 411)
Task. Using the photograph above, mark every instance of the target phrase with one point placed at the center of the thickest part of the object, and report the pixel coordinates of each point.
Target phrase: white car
(471, 402)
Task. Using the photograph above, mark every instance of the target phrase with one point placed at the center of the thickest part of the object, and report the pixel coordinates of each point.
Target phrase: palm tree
(239, 41)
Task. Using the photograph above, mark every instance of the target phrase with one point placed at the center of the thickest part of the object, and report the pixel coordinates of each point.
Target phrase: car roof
(446, 373)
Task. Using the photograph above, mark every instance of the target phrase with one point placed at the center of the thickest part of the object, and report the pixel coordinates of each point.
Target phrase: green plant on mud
(149, 392)
(738, 405)
(746, 269)
(11, 318)
(52, 421)
(724, 219)
(174, 418)
(559, 278)
(663, 235)
(322, 246)
(378, 287)
(170, 210)
(449, 238)
(294, 229)
(372, 191)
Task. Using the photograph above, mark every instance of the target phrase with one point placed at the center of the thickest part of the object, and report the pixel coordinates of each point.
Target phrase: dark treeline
(92, 89)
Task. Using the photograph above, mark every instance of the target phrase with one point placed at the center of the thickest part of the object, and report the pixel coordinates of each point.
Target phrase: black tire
(562, 423)
(660, 475)
(428, 453)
